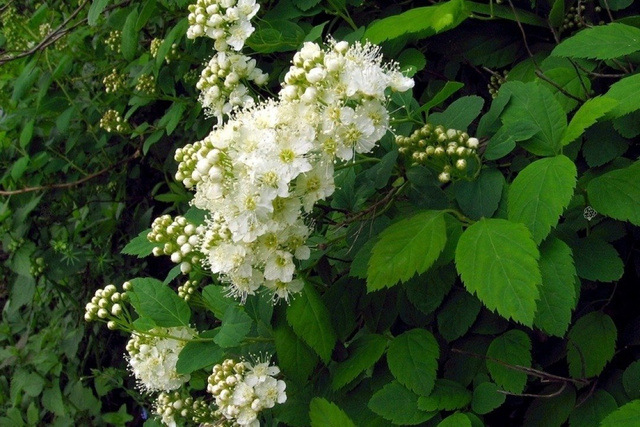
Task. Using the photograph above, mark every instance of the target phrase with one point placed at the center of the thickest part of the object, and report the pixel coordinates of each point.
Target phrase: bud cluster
(187, 289)
(113, 41)
(146, 84)
(171, 55)
(447, 150)
(220, 84)
(178, 409)
(242, 390)
(37, 267)
(497, 80)
(200, 162)
(113, 122)
(114, 82)
(179, 240)
(225, 21)
(106, 305)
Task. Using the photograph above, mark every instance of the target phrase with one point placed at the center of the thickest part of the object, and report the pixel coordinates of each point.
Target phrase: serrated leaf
(427, 291)
(305, 5)
(449, 89)
(625, 416)
(558, 291)
(276, 36)
(447, 395)
(158, 302)
(592, 343)
(586, 116)
(411, 61)
(596, 259)
(504, 141)
(295, 358)
(486, 398)
(130, 36)
(617, 194)
(535, 103)
(603, 145)
(413, 360)
(363, 353)
(216, 300)
(625, 91)
(540, 192)
(236, 324)
(511, 349)
(455, 420)
(405, 248)
(311, 321)
(199, 355)
(556, 14)
(96, 8)
(551, 412)
(498, 261)
(172, 117)
(566, 81)
(139, 246)
(327, 414)
(179, 30)
(399, 405)
(458, 314)
(593, 410)
(601, 42)
(424, 20)
(481, 197)
(459, 114)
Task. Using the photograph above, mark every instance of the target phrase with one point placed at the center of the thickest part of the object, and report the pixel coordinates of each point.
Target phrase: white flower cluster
(242, 390)
(153, 357)
(263, 170)
(228, 22)
(179, 238)
(220, 84)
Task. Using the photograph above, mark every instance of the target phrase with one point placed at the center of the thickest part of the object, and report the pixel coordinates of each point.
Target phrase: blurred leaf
(130, 36)
(399, 405)
(592, 343)
(413, 360)
(326, 414)
(96, 8)
(513, 348)
(486, 398)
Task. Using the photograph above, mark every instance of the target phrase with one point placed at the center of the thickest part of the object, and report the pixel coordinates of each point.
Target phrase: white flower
(270, 392)
(279, 266)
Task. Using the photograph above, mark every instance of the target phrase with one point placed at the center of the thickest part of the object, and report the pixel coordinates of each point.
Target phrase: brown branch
(560, 88)
(70, 184)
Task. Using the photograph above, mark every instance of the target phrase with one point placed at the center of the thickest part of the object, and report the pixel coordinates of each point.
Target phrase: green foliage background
(504, 297)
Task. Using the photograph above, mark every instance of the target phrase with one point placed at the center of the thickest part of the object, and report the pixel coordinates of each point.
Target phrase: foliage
(473, 266)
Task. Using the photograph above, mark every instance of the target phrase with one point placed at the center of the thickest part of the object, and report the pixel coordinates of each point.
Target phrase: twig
(560, 88)
(546, 396)
(70, 184)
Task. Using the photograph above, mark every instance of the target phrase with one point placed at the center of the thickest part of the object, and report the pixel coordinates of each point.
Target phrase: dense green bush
(475, 265)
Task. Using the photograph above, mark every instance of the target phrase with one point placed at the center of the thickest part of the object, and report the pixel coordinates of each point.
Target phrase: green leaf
(427, 291)
(535, 103)
(481, 197)
(130, 36)
(139, 246)
(603, 145)
(592, 343)
(601, 42)
(172, 117)
(513, 348)
(198, 355)
(19, 167)
(586, 116)
(459, 114)
(566, 81)
(96, 8)
(455, 420)
(617, 193)
(448, 89)
(558, 290)
(52, 399)
(305, 5)
(216, 300)
(486, 398)
(447, 395)
(236, 324)
(411, 61)
(596, 259)
(504, 141)
(147, 11)
(424, 20)
(25, 81)
(178, 31)
(540, 193)
(405, 248)
(593, 410)
(158, 302)
(311, 321)
(458, 314)
(498, 260)
(276, 36)
(327, 414)
(551, 412)
(363, 353)
(295, 358)
(27, 133)
(625, 416)
(625, 91)
(413, 360)
(631, 380)
(556, 14)
(399, 405)
(504, 11)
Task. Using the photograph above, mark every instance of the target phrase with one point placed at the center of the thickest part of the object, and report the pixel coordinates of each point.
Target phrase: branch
(70, 184)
